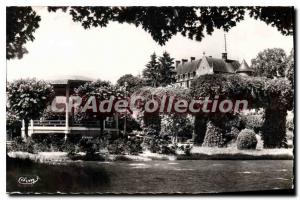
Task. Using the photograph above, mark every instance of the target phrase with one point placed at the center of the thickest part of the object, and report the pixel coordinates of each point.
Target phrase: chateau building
(186, 70)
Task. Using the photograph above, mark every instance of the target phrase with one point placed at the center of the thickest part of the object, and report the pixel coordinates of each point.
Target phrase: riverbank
(197, 153)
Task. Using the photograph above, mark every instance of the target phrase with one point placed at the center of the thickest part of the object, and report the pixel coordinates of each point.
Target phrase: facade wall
(186, 79)
(204, 67)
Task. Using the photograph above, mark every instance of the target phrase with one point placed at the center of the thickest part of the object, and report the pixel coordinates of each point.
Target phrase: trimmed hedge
(213, 136)
(274, 95)
(246, 139)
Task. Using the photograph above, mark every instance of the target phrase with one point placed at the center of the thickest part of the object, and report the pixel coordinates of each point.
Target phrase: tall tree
(133, 82)
(100, 90)
(166, 69)
(271, 63)
(151, 72)
(160, 22)
(28, 98)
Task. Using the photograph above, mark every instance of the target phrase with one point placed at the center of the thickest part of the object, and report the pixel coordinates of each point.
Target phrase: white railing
(49, 123)
(62, 123)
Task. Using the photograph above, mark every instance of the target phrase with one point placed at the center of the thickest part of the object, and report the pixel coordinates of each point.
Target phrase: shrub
(213, 136)
(74, 138)
(56, 141)
(117, 147)
(19, 145)
(130, 145)
(89, 145)
(150, 131)
(186, 149)
(253, 121)
(177, 126)
(70, 148)
(246, 139)
(134, 145)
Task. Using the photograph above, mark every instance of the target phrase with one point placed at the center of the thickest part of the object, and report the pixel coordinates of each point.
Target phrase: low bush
(129, 145)
(70, 148)
(18, 144)
(157, 144)
(246, 139)
(89, 145)
(117, 146)
(186, 149)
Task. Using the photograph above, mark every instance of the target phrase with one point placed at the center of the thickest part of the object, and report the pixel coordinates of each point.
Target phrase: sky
(64, 48)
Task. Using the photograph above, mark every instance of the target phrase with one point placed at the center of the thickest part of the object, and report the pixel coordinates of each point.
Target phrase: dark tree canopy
(151, 72)
(166, 69)
(21, 23)
(160, 22)
(270, 63)
(280, 17)
(159, 71)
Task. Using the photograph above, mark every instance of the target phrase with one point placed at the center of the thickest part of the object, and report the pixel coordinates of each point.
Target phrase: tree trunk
(26, 124)
(274, 128)
(199, 129)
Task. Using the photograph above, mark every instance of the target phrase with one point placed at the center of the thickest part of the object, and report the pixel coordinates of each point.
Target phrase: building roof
(70, 79)
(244, 67)
(188, 67)
(218, 65)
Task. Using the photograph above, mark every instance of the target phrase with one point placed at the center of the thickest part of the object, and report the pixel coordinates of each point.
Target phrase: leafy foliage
(246, 139)
(131, 124)
(270, 63)
(275, 95)
(151, 72)
(121, 146)
(133, 82)
(160, 71)
(214, 136)
(101, 90)
(28, 98)
(280, 17)
(13, 123)
(166, 69)
(260, 92)
(177, 126)
(253, 122)
(160, 22)
(21, 23)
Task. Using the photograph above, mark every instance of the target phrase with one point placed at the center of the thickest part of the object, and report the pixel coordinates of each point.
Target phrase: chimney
(177, 63)
(224, 56)
(193, 58)
(183, 60)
